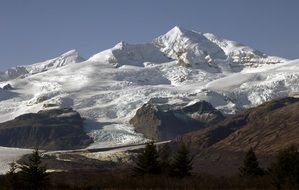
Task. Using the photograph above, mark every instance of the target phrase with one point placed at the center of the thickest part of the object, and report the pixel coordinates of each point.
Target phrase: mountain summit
(189, 49)
(192, 48)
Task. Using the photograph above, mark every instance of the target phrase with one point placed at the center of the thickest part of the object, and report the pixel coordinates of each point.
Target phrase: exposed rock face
(55, 129)
(158, 123)
(267, 128)
(7, 87)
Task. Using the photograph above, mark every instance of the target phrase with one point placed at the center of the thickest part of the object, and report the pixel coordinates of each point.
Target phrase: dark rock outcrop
(7, 87)
(56, 129)
(158, 123)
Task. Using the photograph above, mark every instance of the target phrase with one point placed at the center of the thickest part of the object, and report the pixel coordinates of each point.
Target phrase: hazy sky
(35, 30)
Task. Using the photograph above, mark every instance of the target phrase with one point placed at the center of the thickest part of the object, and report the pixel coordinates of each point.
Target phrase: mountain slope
(242, 55)
(56, 129)
(131, 54)
(13, 73)
(190, 47)
(69, 57)
(210, 52)
(165, 123)
(267, 128)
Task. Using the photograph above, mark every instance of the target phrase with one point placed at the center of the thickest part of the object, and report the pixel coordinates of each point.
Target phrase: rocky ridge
(55, 129)
(159, 123)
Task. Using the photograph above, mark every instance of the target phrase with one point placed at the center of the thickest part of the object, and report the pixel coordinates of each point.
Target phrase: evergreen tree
(12, 176)
(250, 165)
(147, 162)
(164, 158)
(33, 173)
(182, 163)
(285, 168)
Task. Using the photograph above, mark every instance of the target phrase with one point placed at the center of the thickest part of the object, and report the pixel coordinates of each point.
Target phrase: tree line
(160, 163)
(153, 162)
(283, 171)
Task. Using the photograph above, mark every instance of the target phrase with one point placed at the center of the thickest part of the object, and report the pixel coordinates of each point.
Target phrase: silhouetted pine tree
(164, 158)
(33, 173)
(12, 176)
(250, 165)
(182, 163)
(147, 162)
(285, 169)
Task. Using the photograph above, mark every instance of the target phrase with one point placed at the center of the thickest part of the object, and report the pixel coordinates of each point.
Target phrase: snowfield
(179, 67)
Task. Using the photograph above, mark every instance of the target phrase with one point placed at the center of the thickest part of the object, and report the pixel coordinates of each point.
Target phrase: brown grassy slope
(267, 128)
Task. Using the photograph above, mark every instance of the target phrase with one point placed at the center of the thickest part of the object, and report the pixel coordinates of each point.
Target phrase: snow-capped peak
(120, 45)
(194, 48)
(189, 47)
(69, 57)
(177, 30)
(72, 53)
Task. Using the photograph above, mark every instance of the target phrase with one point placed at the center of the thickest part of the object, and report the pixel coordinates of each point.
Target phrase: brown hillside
(267, 128)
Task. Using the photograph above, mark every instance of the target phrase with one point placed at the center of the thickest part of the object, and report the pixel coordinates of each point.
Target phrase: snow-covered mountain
(69, 57)
(239, 54)
(191, 47)
(13, 73)
(131, 54)
(62, 60)
(179, 67)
